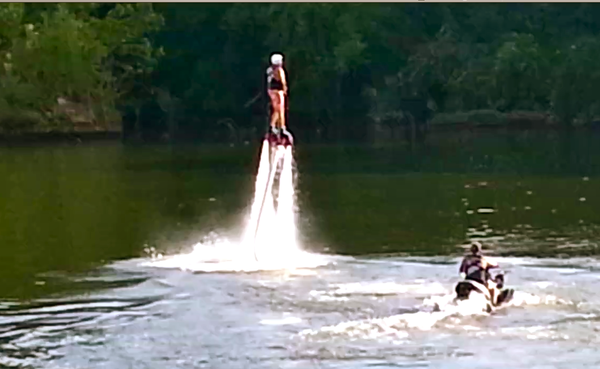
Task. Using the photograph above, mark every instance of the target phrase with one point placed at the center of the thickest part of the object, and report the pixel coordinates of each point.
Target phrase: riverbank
(442, 127)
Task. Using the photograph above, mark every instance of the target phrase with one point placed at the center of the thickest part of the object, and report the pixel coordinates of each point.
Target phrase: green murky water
(70, 208)
(77, 289)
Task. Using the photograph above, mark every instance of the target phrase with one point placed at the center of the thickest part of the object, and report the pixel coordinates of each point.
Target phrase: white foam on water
(446, 313)
(397, 326)
(537, 332)
(283, 321)
(381, 288)
(269, 241)
(446, 302)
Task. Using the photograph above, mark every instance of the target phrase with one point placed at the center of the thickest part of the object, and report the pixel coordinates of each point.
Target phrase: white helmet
(277, 59)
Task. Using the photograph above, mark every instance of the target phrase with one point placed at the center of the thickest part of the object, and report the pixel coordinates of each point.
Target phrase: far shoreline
(435, 132)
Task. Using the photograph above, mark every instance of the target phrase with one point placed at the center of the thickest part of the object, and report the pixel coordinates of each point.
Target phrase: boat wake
(438, 312)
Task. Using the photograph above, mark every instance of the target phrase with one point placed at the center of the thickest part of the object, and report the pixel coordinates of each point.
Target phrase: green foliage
(576, 82)
(521, 76)
(496, 57)
(11, 15)
(211, 59)
(67, 52)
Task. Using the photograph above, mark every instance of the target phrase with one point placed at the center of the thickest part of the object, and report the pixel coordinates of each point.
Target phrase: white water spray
(272, 232)
(286, 206)
(269, 241)
(262, 206)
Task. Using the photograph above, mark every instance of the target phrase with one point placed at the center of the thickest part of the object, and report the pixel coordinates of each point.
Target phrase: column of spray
(259, 192)
(286, 206)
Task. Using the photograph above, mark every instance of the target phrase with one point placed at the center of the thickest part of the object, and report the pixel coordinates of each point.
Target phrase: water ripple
(36, 330)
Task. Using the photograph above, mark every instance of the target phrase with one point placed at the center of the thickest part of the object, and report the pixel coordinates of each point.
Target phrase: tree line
(198, 70)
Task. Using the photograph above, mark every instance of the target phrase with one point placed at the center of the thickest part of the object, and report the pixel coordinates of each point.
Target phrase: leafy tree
(577, 78)
(69, 53)
(348, 64)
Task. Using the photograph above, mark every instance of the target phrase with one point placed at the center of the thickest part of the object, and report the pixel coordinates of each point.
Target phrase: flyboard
(278, 141)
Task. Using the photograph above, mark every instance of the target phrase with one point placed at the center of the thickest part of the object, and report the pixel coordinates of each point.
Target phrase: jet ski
(494, 293)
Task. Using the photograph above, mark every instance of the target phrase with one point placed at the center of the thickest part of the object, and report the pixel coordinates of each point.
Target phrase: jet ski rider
(476, 267)
(277, 89)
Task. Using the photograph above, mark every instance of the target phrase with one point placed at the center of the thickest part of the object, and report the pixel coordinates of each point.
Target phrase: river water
(130, 257)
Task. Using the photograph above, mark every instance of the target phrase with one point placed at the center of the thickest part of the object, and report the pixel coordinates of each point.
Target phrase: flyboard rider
(277, 89)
